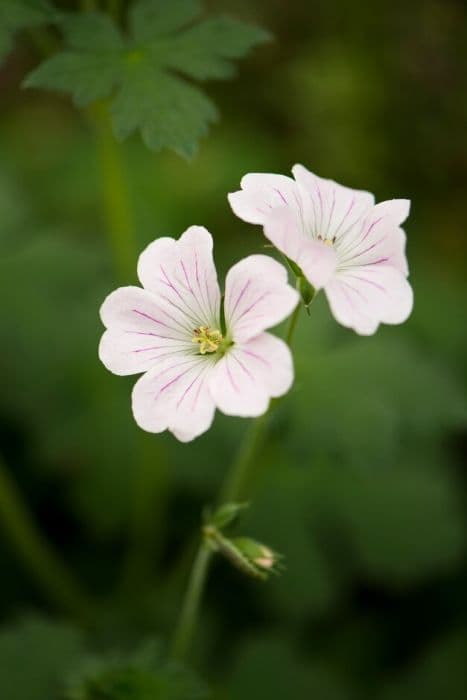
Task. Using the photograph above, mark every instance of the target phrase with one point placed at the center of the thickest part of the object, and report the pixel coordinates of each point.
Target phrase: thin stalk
(117, 209)
(233, 489)
(33, 549)
(192, 602)
(114, 9)
(292, 325)
(234, 486)
(150, 470)
(151, 482)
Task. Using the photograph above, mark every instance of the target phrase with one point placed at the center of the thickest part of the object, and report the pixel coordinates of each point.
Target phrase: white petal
(260, 193)
(317, 260)
(363, 297)
(174, 396)
(397, 209)
(140, 332)
(283, 227)
(257, 296)
(250, 374)
(399, 258)
(182, 274)
(377, 240)
(330, 210)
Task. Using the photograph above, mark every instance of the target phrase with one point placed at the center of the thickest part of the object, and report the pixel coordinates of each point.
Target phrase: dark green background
(362, 482)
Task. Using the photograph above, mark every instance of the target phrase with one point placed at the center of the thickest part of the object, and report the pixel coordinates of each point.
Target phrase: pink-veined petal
(399, 257)
(363, 297)
(175, 396)
(182, 274)
(262, 192)
(377, 240)
(318, 262)
(316, 259)
(140, 331)
(257, 296)
(397, 209)
(330, 210)
(250, 374)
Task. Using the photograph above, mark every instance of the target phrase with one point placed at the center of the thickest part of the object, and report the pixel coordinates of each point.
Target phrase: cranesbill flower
(342, 241)
(195, 358)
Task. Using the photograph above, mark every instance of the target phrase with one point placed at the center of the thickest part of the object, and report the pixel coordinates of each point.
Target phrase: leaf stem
(292, 325)
(34, 550)
(116, 198)
(233, 489)
(150, 475)
(192, 602)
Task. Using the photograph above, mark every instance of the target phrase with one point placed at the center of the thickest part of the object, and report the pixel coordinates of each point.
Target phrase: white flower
(171, 330)
(341, 240)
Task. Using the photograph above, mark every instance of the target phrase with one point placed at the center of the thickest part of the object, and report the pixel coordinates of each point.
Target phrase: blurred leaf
(271, 668)
(371, 397)
(151, 97)
(441, 672)
(20, 14)
(405, 524)
(36, 655)
(49, 334)
(142, 675)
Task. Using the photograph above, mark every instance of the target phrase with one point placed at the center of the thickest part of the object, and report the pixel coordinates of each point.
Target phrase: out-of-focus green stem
(149, 471)
(233, 489)
(192, 602)
(292, 325)
(34, 551)
(235, 483)
(88, 5)
(151, 481)
(114, 8)
(117, 208)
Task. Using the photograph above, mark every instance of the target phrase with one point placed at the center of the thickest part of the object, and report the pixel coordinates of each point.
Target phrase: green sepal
(306, 291)
(297, 271)
(225, 514)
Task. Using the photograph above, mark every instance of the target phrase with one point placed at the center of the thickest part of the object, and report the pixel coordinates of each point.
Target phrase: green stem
(114, 9)
(35, 552)
(88, 5)
(192, 602)
(233, 489)
(116, 198)
(150, 479)
(292, 325)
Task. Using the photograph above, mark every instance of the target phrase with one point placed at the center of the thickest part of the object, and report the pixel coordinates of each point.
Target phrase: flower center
(207, 338)
(327, 241)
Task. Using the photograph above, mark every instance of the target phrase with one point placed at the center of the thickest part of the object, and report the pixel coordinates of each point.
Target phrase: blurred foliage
(36, 654)
(362, 482)
(141, 675)
(151, 97)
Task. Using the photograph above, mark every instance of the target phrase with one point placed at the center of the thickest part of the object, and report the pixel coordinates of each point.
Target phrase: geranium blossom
(343, 242)
(171, 330)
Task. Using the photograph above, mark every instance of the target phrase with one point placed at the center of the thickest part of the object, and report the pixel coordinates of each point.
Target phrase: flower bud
(253, 558)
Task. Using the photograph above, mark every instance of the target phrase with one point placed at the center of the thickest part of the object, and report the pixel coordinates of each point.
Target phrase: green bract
(142, 72)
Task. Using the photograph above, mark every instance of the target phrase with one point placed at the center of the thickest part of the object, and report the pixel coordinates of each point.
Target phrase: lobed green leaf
(140, 73)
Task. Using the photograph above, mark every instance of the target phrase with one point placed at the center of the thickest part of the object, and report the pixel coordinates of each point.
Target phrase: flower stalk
(233, 489)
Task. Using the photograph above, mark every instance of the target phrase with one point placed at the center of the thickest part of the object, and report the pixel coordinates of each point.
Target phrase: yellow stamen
(327, 241)
(208, 339)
